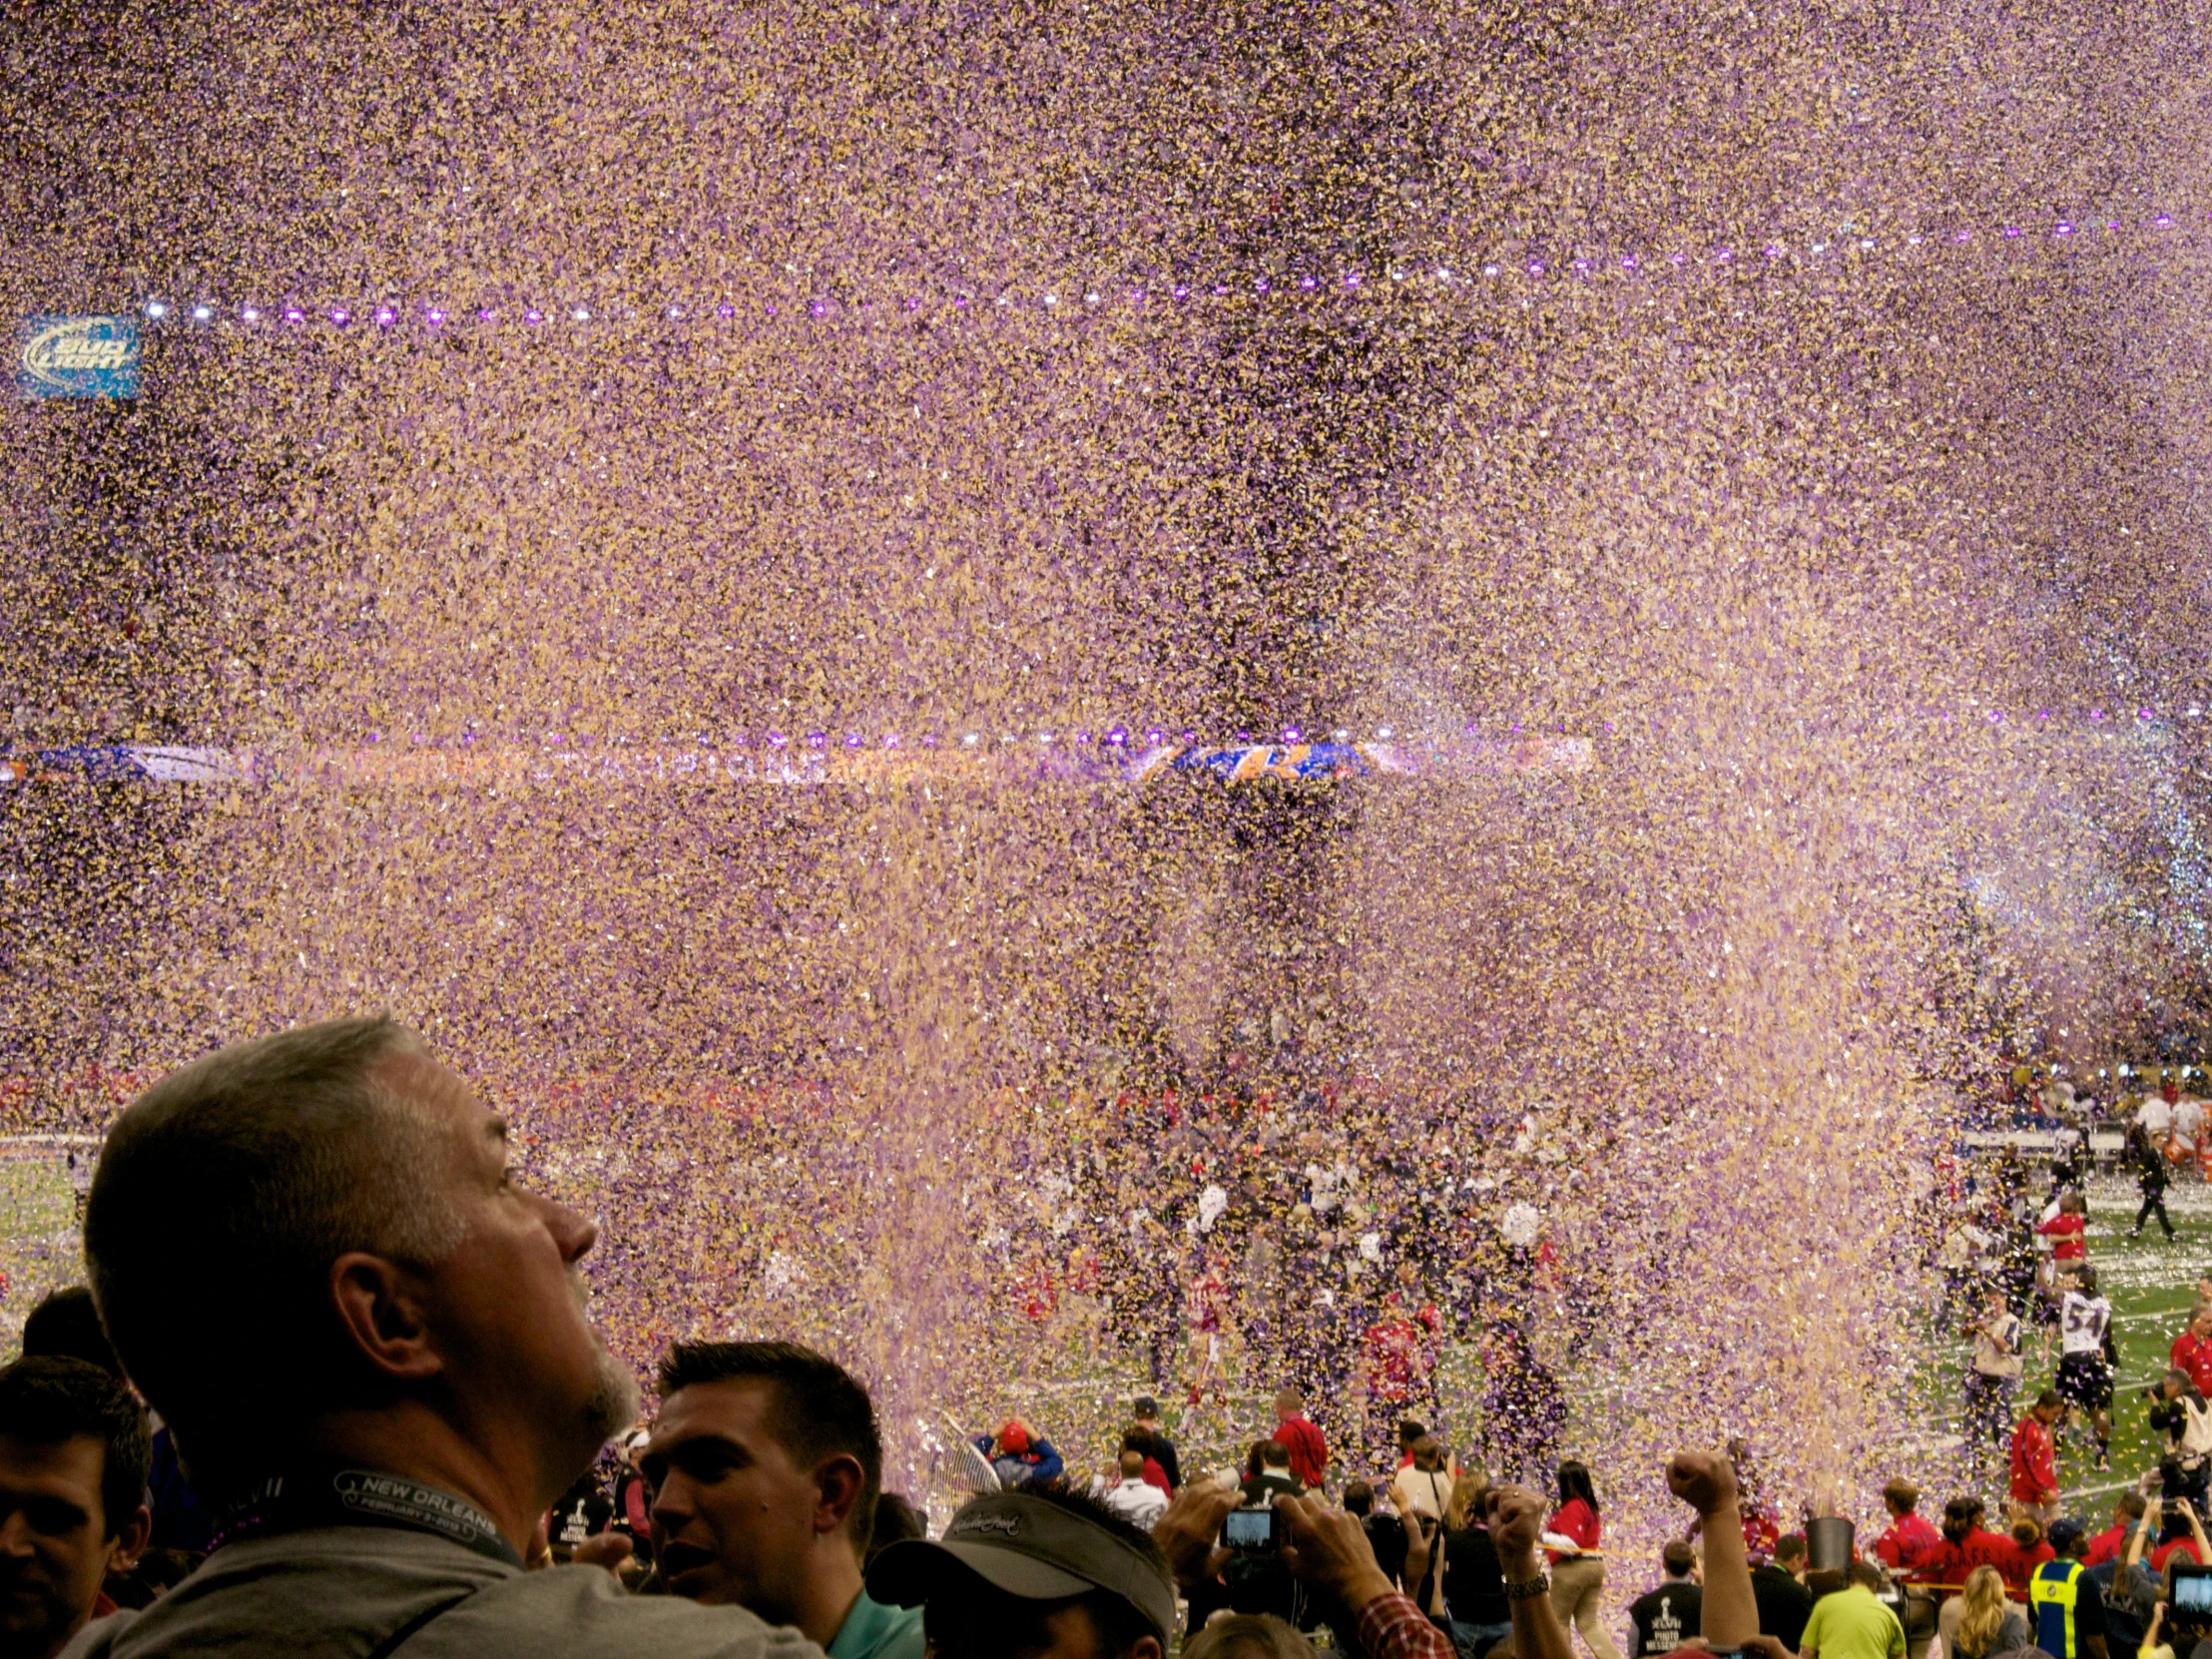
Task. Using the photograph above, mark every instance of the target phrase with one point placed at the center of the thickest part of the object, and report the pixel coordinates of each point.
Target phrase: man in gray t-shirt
(378, 1370)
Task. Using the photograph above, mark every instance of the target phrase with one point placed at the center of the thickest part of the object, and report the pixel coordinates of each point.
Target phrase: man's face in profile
(507, 1307)
(734, 1519)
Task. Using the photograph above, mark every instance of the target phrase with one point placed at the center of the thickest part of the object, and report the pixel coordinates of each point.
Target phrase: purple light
(434, 317)
(2163, 219)
(815, 740)
(957, 300)
(726, 311)
(1773, 252)
(533, 316)
(2111, 224)
(1117, 735)
(852, 740)
(1536, 267)
(1582, 264)
(1309, 282)
(1218, 291)
(1289, 734)
(818, 309)
(2142, 714)
(913, 305)
(1724, 255)
(1996, 716)
(1153, 735)
(1136, 295)
(1262, 285)
(250, 314)
(1965, 235)
(293, 314)
(2063, 230)
(1628, 261)
(777, 740)
(487, 317)
(1182, 293)
(2012, 230)
(1190, 736)
(2096, 713)
(1681, 259)
(386, 316)
(340, 316)
(891, 740)
(1351, 280)
(1082, 736)
(2043, 713)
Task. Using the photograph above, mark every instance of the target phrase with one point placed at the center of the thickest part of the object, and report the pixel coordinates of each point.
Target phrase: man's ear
(839, 1481)
(130, 1540)
(380, 1306)
(1145, 1647)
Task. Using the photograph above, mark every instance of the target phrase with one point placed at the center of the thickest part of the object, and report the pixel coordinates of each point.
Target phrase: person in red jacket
(2035, 1460)
(1309, 1450)
(1909, 1541)
(2192, 1350)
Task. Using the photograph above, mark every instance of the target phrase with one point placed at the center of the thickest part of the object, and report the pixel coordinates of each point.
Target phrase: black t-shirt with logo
(1665, 1619)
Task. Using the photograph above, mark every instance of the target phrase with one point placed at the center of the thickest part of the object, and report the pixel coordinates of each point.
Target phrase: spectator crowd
(376, 1420)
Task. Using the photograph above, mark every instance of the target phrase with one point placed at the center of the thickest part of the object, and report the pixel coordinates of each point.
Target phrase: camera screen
(2193, 1592)
(1247, 1529)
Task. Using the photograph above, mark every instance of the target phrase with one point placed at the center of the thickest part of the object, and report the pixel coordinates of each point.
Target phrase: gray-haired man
(379, 1367)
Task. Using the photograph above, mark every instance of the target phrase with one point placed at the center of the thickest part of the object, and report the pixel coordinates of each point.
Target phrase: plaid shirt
(1392, 1627)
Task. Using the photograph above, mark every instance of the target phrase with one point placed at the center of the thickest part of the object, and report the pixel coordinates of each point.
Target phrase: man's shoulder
(584, 1611)
(348, 1588)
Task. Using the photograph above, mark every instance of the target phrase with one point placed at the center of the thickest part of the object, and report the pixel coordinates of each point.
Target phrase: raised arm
(1706, 1482)
(1516, 1518)
(1328, 1554)
(2151, 1517)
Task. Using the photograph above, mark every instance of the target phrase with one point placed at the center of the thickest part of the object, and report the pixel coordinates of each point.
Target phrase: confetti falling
(558, 383)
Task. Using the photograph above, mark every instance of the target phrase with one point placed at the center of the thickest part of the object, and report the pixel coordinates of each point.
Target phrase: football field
(2152, 1284)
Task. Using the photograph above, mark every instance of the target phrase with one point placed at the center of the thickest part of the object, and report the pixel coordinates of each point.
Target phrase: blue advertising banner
(79, 357)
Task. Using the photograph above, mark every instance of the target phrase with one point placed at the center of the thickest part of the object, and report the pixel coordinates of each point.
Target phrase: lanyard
(308, 1498)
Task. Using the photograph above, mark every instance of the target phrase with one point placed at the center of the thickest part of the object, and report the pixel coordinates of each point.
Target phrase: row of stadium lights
(436, 316)
(1120, 737)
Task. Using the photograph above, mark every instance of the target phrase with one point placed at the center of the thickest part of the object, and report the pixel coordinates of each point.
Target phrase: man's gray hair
(222, 1195)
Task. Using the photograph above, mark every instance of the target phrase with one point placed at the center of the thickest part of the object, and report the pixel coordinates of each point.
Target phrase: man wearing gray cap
(1044, 1575)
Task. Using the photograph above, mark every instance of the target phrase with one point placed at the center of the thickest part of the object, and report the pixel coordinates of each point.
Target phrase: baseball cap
(1030, 1547)
(2063, 1531)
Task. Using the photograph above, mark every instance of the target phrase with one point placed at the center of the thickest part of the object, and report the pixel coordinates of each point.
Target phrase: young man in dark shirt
(1664, 1619)
(1784, 1602)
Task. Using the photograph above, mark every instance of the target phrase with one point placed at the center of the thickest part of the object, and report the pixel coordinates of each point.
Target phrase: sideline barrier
(812, 759)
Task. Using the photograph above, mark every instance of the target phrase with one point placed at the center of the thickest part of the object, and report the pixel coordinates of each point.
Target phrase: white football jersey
(2082, 1321)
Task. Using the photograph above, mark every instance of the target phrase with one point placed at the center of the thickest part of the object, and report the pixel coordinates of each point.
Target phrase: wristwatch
(1528, 1589)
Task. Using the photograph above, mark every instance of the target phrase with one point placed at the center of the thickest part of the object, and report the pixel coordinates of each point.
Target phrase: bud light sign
(79, 357)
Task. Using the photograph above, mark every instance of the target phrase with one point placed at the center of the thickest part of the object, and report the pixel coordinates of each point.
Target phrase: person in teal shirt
(766, 1468)
(1850, 1624)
